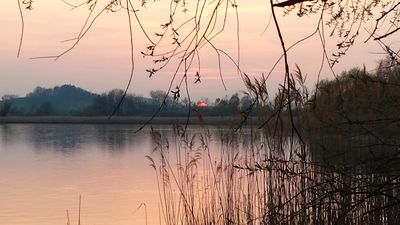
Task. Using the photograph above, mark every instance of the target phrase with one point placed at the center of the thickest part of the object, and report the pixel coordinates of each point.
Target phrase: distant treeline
(355, 96)
(69, 100)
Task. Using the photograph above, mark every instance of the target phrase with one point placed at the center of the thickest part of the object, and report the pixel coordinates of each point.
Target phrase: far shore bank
(122, 120)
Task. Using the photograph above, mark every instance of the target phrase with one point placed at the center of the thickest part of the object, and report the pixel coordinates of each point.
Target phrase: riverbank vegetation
(330, 158)
(254, 178)
(358, 97)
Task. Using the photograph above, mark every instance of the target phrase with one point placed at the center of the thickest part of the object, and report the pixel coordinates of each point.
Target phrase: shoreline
(121, 120)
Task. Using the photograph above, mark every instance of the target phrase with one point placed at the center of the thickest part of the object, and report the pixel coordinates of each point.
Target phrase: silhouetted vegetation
(256, 178)
(68, 100)
(329, 157)
(60, 100)
(354, 97)
(358, 98)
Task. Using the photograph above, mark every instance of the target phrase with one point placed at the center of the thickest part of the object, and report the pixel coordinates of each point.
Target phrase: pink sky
(101, 61)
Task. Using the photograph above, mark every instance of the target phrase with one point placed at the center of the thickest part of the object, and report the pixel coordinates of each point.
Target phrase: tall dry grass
(255, 179)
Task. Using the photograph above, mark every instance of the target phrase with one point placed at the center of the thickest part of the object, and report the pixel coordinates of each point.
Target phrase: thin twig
(22, 28)
(132, 63)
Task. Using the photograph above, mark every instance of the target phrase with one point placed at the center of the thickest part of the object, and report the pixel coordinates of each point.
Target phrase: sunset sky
(101, 61)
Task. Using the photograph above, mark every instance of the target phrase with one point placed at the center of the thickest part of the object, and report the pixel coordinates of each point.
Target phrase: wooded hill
(68, 100)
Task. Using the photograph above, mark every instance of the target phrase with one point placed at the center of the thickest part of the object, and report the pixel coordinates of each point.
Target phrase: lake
(209, 175)
(44, 168)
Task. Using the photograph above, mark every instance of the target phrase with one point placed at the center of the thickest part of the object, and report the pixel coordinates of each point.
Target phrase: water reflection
(8, 133)
(73, 137)
(215, 175)
(45, 167)
(65, 138)
(369, 153)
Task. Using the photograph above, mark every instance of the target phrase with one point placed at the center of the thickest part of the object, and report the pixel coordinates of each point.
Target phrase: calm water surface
(44, 168)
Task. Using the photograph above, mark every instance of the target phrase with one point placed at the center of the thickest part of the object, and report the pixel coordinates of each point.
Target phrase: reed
(253, 178)
(290, 171)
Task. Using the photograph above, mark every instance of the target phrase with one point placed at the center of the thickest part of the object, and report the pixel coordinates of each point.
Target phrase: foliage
(358, 97)
(74, 101)
(5, 107)
(60, 100)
